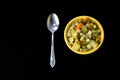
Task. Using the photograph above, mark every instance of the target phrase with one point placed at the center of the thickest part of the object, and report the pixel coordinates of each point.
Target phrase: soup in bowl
(83, 35)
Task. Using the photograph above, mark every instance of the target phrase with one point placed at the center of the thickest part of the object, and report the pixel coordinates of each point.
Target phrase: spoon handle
(52, 55)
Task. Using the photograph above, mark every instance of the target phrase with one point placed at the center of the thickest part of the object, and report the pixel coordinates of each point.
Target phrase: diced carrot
(86, 19)
(79, 26)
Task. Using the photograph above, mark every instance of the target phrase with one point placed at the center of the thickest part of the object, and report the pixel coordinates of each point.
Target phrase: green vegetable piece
(93, 44)
(84, 29)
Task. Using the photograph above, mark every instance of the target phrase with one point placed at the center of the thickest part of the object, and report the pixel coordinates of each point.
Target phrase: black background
(26, 41)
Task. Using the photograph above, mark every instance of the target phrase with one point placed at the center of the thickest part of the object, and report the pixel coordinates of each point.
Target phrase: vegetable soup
(83, 34)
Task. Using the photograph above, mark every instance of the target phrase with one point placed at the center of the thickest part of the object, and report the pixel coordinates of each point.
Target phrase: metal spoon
(52, 25)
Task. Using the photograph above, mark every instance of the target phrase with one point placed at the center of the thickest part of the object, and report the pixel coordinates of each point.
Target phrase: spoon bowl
(52, 22)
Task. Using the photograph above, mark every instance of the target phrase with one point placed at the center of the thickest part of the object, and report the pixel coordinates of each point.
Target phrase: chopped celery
(76, 46)
(80, 21)
(72, 32)
(84, 29)
(78, 30)
(75, 35)
(69, 33)
(89, 32)
(82, 37)
(93, 44)
(71, 39)
(89, 46)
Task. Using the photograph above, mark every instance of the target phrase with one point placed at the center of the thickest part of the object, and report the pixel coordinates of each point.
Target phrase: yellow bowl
(83, 52)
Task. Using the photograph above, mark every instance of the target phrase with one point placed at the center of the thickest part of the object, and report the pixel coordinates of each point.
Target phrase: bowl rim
(80, 17)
